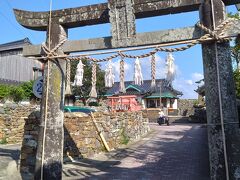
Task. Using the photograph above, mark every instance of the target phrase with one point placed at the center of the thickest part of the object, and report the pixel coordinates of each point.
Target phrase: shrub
(17, 94)
(93, 104)
(27, 88)
(4, 91)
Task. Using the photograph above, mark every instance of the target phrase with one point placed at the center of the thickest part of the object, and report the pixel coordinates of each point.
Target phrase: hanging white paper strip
(138, 78)
(171, 70)
(109, 76)
(78, 79)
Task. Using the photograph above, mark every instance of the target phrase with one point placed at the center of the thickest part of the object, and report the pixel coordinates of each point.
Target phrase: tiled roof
(144, 88)
(15, 45)
(201, 90)
(9, 82)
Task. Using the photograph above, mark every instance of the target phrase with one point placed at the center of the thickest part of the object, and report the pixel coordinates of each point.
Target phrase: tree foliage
(84, 90)
(235, 52)
(236, 74)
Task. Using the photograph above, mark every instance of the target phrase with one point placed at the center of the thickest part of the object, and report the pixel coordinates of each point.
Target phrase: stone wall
(12, 121)
(152, 114)
(199, 116)
(81, 137)
(185, 106)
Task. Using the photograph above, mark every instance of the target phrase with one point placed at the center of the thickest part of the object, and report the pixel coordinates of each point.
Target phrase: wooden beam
(142, 39)
(99, 13)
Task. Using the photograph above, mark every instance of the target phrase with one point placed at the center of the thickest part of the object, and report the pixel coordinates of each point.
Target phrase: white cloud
(189, 82)
(197, 76)
(187, 86)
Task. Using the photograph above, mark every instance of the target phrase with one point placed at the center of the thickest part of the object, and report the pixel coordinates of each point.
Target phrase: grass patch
(124, 138)
(3, 140)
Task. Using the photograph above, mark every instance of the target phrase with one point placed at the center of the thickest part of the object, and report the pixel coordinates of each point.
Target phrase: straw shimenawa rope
(153, 71)
(212, 35)
(215, 35)
(122, 76)
(93, 92)
(68, 90)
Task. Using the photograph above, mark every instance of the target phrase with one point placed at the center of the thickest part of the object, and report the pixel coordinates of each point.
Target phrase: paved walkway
(176, 152)
(9, 162)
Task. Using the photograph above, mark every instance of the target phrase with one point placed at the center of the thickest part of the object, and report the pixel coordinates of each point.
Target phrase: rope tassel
(109, 76)
(93, 92)
(78, 79)
(153, 71)
(170, 69)
(138, 78)
(122, 85)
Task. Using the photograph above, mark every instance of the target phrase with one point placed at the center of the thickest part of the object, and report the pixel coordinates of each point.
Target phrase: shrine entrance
(213, 33)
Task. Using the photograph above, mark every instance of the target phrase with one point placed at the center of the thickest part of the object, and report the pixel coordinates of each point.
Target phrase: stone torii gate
(223, 125)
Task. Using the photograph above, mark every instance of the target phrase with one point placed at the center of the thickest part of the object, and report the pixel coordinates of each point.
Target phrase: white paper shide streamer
(171, 70)
(138, 77)
(78, 80)
(109, 76)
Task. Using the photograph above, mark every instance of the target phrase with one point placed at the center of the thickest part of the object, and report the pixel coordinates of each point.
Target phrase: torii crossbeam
(222, 114)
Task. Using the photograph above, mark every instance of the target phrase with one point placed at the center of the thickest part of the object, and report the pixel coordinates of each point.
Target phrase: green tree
(235, 50)
(235, 53)
(236, 75)
(84, 90)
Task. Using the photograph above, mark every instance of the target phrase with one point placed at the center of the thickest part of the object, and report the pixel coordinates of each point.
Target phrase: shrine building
(146, 96)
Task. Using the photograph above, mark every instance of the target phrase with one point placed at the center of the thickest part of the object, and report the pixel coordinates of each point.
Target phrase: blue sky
(189, 63)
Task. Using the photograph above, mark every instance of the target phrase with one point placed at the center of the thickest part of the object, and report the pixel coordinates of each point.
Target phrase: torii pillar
(49, 157)
(223, 125)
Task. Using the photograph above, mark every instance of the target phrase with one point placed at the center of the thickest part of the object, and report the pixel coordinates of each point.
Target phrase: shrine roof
(19, 44)
(144, 89)
(9, 82)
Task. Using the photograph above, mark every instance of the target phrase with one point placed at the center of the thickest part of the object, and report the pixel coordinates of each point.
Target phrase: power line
(14, 25)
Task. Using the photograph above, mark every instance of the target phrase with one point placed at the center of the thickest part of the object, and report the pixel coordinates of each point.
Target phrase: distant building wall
(18, 68)
(14, 68)
(175, 104)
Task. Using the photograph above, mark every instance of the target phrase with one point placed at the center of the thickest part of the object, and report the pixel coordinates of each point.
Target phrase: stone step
(172, 119)
(178, 119)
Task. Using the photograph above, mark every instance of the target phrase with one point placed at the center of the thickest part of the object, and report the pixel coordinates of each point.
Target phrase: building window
(151, 103)
(171, 102)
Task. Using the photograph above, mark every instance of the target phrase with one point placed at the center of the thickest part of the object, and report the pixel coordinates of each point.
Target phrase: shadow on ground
(168, 154)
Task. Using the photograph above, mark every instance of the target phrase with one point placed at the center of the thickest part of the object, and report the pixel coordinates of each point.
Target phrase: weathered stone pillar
(53, 104)
(223, 125)
(122, 20)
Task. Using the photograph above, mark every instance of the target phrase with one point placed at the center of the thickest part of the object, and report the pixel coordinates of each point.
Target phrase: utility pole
(160, 94)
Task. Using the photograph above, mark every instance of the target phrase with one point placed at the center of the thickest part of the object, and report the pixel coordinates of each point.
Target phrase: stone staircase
(153, 114)
(178, 119)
